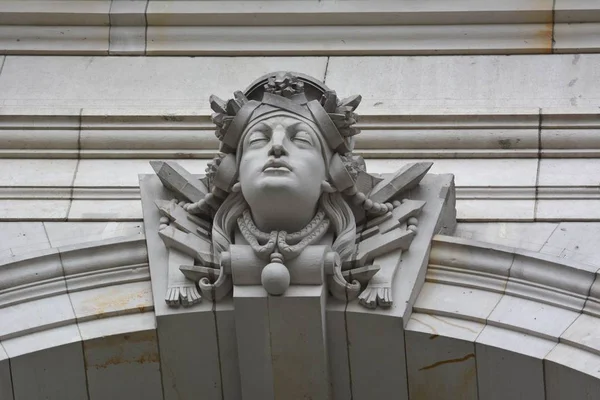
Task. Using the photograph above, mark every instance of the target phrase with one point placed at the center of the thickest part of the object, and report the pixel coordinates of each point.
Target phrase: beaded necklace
(289, 245)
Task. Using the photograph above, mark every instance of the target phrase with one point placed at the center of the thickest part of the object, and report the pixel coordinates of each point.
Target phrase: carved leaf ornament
(360, 217)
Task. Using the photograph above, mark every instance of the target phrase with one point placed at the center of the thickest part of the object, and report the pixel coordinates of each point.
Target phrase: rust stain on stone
(427, 325)
(144, 358)
(546, 34)
(114, 300)
(451, 361)
(119, 340)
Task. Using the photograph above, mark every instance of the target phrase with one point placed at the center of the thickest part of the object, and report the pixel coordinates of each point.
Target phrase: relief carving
(286, 201)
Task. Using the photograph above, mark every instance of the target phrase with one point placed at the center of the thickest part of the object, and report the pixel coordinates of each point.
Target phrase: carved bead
(201, 205)
(368, 204)
(194, 207)
(412, 228)
(413, 221)
(359, 198)
(211, 200)
(396, 203)
(275, 278)
(390, 207)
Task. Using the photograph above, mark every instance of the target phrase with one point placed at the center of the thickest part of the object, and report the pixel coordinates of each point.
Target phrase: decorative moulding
(73, 268)
(528, 275)
(351, 27)
(409, 133)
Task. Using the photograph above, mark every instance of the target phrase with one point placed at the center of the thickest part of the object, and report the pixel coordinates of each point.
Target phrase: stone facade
(501, 94)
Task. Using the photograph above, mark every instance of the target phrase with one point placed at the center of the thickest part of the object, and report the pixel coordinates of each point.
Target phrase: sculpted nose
(277, 148)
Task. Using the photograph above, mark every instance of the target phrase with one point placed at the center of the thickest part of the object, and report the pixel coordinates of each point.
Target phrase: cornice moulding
(462, 193)
(335, 28)
(407, 133)
(88, 12)
(188, 13)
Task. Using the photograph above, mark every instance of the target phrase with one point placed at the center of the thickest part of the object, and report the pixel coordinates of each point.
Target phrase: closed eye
(303, 137)
(257, 137)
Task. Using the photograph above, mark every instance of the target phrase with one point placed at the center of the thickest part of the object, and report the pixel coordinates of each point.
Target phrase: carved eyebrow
(300, 125)
(262, 126)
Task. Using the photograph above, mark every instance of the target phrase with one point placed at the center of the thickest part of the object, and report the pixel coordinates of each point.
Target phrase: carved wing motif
(195, 270)
(381, 241)
(193, 267)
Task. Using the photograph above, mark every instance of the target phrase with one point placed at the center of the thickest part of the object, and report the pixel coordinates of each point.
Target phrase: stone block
(33, 172)
(187, 368)
(379, 40)
(583, 333)
(564, 210)
(34, 316)
(528, 236)
(431, 344)
(569, 172)
(569, 132)
(575, 241)
(228, 351)
(47, 132)
(545, 321)
(298, 342)
(509, 364)
(105, 210)
(440, 367)
(65, 40)
(180, 82)
(70, 233)
(128, 13)
(456, 301)
(103, 302)
(59, 12)
(255, 356)
(27, 210)
(18, 238)
(121, 356)
(33, 361)
(434, 325)
(29, 277)
(592, 305)
(123, 173)
(127, 40)
(576, 37)
(379, 367)
(550, 280)
(471, 172)
(337, 348)
(6, 389)
(495, 210)
(571, 373)
(468, 81)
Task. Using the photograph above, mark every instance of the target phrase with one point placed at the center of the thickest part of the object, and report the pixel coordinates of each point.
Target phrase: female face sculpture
(281, 169)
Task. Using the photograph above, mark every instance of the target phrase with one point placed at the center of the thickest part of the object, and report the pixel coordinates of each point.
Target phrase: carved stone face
(281, 161)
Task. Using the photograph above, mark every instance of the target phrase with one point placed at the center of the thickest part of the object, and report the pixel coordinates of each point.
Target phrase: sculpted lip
(272, 163)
